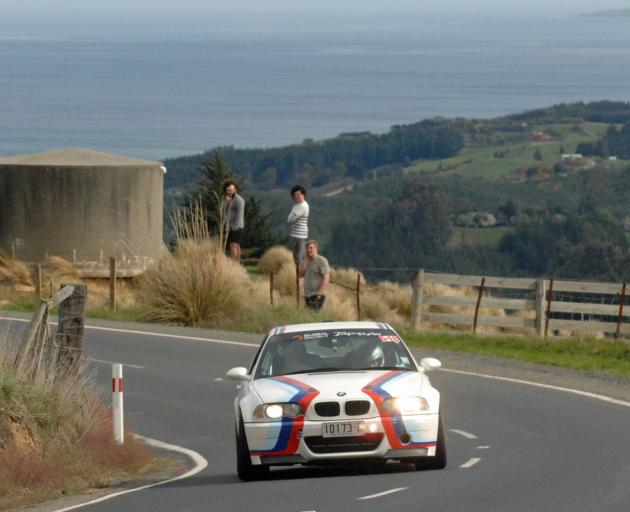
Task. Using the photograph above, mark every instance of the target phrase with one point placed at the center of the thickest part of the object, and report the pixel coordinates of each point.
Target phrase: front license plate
(346, 428)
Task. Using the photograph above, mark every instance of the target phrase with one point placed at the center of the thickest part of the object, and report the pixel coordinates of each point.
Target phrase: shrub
(274, 259)
(195, 284)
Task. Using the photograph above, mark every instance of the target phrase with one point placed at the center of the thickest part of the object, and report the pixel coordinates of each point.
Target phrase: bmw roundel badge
(341, 393)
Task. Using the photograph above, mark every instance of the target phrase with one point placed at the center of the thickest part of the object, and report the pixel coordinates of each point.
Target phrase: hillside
(610, 13)
(511, 186)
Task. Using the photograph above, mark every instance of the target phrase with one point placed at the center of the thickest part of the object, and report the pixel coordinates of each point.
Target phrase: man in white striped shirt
(298, 223)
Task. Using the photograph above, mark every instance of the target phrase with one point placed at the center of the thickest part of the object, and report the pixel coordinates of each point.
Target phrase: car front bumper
(301, 441)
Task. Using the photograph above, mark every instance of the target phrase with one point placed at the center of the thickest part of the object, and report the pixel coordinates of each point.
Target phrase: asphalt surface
(511, 447)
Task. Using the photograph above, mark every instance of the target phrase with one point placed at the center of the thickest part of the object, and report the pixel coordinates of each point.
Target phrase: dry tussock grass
(346, 277)
(51, 424)
(195, 284)
(284, 280)
(13, 272)
(274, 259)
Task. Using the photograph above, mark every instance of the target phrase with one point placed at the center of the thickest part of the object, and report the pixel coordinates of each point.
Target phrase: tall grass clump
(196, 283)
(13, 272)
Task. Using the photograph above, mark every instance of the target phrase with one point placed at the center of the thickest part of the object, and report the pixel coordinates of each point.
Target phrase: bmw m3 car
(336, 392)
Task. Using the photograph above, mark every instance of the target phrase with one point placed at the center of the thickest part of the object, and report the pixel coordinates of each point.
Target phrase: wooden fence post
(359, 297)
(622, 301)
(112, 283)
(416, 299)
(548, 311)
(271, 288)
(38, 281)
(540, 308)
(297, 285)
(71, 325)
(481, 288)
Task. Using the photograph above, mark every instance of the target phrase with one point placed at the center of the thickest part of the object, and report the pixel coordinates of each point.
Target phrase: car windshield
(333, 350)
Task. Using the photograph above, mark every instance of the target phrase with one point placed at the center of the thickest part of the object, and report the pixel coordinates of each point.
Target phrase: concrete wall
(56, 210)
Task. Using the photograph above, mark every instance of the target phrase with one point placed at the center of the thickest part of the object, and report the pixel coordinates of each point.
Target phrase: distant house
(613, 158)
(571, 156)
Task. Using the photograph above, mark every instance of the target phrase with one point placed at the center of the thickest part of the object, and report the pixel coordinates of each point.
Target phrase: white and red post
(117, 403)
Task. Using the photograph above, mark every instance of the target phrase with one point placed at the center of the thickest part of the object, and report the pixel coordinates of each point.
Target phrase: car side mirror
(430, 363)
(238, 373)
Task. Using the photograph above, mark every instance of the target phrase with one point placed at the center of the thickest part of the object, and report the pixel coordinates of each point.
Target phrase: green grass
(610, 357)
(507, 152)
(479, 236)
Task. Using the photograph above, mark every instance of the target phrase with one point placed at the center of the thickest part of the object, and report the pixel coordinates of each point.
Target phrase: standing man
(233, 217)
(298, 223)
(316, 272)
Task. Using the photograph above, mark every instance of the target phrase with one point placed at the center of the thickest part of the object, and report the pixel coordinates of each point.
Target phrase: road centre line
(463, 433)
(483, 447)
(470, 463)
(384, 493)
(200, 464)
(587, 394)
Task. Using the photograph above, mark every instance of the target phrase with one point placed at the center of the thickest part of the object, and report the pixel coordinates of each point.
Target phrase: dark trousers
(315, 302)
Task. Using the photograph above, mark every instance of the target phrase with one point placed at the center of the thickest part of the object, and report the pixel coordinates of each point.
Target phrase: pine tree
(258, 234)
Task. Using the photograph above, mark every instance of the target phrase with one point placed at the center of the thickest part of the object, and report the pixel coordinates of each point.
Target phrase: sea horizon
(162, 99)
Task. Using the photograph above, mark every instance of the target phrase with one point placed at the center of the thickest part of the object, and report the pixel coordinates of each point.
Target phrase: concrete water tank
(82, 205)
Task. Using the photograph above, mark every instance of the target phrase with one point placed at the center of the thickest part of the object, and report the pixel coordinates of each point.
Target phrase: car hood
(332, 385)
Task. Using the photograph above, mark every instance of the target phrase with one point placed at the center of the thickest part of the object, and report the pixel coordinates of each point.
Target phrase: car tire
(244, 468)
(438, 461)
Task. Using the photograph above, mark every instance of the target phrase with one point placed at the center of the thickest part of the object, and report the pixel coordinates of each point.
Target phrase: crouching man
(316, 273)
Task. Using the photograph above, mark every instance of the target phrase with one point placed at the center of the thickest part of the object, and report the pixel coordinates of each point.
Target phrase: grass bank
(611, 357)
(56, 437)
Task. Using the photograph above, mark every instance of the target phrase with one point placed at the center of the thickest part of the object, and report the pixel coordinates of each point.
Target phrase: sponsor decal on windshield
(389, 338)
(310, 336)
(357, 333)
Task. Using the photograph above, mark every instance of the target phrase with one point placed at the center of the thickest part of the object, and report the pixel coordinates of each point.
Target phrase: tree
(258, 234)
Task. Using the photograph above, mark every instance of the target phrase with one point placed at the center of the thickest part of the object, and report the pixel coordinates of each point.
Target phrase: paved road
(511, 447)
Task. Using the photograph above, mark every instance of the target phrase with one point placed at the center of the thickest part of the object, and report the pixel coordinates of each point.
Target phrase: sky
(170, 19)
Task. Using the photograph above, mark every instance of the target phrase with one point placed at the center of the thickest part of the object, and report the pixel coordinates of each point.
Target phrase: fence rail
(590, 306)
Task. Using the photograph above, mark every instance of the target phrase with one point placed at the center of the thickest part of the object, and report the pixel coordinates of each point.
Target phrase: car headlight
(405, 405)
(277, 411)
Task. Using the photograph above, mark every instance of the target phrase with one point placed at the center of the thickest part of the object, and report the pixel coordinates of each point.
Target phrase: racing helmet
(377, 357)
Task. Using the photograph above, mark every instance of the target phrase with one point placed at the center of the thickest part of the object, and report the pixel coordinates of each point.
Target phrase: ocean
(160, 99)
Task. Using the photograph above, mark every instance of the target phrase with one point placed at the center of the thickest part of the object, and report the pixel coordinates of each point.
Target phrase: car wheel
(439, 460)
(244, 467)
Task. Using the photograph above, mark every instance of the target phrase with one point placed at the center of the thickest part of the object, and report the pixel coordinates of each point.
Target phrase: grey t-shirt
(315, 271)
(234, 212)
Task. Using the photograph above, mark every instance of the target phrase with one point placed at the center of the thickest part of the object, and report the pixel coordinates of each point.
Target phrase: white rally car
(332, 392)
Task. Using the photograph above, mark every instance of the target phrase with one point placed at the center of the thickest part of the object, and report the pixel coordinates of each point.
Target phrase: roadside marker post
(117, 403)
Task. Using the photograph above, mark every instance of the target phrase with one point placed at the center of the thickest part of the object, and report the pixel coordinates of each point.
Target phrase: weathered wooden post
(540, 307)
(416, 299)
(38, 281)
(479, 297)
(548, 310)
(112, 283)
(359, 297)
(297, 285)
(271, 288)
(71, 325)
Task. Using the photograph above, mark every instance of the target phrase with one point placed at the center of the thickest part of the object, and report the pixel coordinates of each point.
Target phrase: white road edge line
(148, 333)
(384, 493)
(200, 464)
(463, 433)
(470, 463)
(102, 361)
(603, 398)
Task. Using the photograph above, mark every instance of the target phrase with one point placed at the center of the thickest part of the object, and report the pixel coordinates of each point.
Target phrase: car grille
(327, 409)
(365, 443)
(357, 407)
